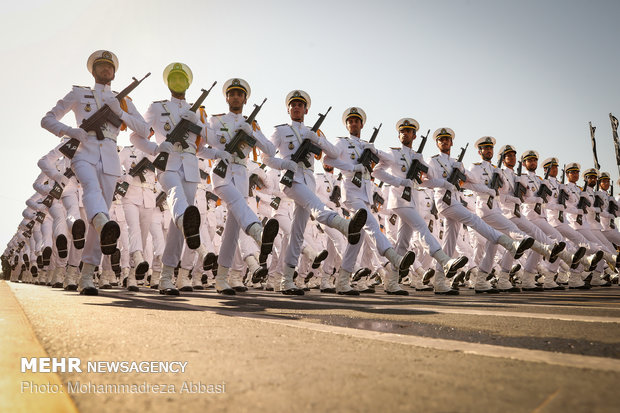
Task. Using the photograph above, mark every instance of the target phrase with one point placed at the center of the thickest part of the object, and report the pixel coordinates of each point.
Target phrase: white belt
(94, 135)
(180, 149)
(239, 161)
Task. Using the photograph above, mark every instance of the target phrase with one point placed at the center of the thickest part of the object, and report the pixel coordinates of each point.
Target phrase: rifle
(377, 201)
(238, 143)
(306, 148)
(520, 190)
(56, 190)
(181, 131)
(455, 176)
(69, 173)
(562, 195)
(583, 204)
(255, 181)
(415, 168)
(40, 217)
(160, 199)
(367, 158)
(275, 203)
(96, 121)
(121, 189)
(47, 201)
(496, 182)
(543, 192)
(613, 206)
(336, 195)
(140, 169)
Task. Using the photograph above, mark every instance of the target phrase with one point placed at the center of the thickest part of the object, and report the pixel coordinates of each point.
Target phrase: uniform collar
(180, 102)
(236, 116)
(298, 125)
(102, 88)
(355, 138)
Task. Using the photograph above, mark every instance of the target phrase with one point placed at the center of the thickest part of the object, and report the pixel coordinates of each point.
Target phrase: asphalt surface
(543, 352)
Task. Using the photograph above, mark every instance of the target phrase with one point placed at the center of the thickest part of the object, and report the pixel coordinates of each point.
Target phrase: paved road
(543, 352)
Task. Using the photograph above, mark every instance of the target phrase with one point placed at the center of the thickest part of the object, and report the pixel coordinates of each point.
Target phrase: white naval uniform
(478, 178)
(287, 138)
(610, 231)
(139, 201)
(456, 215)
(95, 163)
(54, 165)
(392, 169)
(233, 188)
(181, 176)
(349, 150)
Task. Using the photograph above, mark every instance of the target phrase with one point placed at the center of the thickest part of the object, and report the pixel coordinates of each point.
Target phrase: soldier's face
(103, 73)
(486, 152)
(297, 109)
(531, 164)
(406, 136)
(354, 125)
(444, 144)
(604, 184)
(236, 98)
(510, 159)
(591, 180)
(554, 171)
(572, 176)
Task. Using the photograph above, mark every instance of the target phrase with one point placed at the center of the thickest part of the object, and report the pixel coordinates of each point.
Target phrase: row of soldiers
(213, 202)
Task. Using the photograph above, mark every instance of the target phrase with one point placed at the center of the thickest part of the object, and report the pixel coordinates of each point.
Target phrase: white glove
(165, 146)
(459, 165)
(370, 147)
(223, 155)
(406, 182)
(114, 104)
(358, 167)
(491, 192)
(78, 133)
(314, 138)
(448, 186)
(247, 128)
(190, 116)
(289, 165)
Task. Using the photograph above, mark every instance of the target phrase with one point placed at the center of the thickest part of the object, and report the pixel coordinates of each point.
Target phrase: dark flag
(614, 130)
(597, 166)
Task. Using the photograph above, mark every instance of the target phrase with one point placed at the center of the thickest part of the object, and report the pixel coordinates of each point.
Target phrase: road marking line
(486, 350)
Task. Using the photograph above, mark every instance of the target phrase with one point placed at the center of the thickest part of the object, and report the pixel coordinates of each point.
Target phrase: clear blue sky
(530, 73)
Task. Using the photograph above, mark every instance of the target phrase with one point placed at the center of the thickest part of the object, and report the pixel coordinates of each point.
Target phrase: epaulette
(395, 149)
(342, 137)
(434, 156)
(161, 101)
(494, 166)
(284, 124)
(82, 87)
(219, 114)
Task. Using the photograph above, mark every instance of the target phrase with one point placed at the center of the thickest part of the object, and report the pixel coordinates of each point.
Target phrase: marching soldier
(96, 162)
(181, 175)
(233, 188)
(349, 149)
(449, 205)
(398, 163)
(287, 138)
